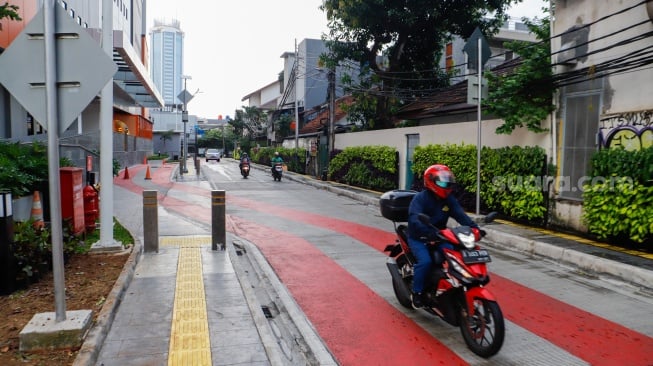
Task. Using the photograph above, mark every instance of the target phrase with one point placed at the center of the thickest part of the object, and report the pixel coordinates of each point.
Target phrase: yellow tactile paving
(582, 240)
(189, 338)
(185, 241)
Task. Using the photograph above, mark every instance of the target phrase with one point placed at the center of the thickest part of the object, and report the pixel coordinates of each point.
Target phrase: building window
(79, 20)
(581, 126)
(64, 5)
(449, 64)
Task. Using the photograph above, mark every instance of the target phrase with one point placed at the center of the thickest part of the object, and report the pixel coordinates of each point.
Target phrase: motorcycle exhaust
(396, 277)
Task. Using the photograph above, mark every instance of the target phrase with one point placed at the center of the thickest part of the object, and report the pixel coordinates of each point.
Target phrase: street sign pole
(51, 104)
(478, 132)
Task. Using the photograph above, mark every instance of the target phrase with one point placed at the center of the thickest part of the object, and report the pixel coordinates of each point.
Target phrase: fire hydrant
(91, 207)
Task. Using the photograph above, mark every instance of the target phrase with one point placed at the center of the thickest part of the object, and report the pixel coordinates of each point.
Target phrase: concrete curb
(93, 342)
(307, 330)
(584, 261)
(265, 331)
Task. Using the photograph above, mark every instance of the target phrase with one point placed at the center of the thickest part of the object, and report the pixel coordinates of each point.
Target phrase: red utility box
(72, 199)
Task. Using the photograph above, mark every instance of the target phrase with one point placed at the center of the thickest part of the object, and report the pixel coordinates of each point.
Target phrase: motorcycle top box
(394, 204)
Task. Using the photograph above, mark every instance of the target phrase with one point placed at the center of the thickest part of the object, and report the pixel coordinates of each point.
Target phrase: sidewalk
(133, 329)
(160, 311)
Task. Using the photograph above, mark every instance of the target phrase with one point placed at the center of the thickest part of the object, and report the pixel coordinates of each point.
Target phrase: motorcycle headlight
(468, 240)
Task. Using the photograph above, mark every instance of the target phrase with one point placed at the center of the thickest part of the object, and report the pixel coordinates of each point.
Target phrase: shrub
(619, 202)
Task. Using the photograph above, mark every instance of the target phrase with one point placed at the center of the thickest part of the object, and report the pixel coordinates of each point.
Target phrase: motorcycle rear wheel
(483, 328)
(401, 297)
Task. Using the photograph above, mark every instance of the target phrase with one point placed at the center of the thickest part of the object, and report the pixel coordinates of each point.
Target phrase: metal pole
(478, 132)
(296, 98)
(52, 113)
(332, 108)
(218, 232)
(106, 134)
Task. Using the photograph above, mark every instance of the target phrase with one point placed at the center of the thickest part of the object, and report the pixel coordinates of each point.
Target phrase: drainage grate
(267, 312)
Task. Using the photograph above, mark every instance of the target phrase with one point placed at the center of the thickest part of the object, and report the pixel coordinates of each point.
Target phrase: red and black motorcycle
(455, 289)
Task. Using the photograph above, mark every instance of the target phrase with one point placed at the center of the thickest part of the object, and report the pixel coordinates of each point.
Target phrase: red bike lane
(361, 328)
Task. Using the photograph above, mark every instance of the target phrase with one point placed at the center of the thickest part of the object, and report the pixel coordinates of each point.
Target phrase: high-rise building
(166, 61)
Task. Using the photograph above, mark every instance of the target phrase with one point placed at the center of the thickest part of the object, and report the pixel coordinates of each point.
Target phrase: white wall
(629, 91)
(459, 133)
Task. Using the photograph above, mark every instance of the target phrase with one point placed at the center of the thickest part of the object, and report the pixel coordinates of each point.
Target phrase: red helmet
(439, 179)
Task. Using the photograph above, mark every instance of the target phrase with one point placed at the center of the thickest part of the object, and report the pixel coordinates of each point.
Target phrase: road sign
(472, 89)
(83, 68)
(185, 96)
(471, 49)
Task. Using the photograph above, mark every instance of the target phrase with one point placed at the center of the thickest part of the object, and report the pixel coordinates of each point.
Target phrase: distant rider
(276, 159)
(244, 159)
(439, 204)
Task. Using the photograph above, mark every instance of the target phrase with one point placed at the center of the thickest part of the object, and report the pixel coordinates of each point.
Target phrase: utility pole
(332, 107)
(296, 72)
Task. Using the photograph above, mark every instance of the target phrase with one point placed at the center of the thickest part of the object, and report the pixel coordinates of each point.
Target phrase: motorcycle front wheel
(483, 328)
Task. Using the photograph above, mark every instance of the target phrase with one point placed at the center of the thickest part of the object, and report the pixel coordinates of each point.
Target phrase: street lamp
(184, 119)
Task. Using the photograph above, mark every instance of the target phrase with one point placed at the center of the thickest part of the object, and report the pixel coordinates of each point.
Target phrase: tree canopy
(411, 36)
(9, 11)
(523, 96)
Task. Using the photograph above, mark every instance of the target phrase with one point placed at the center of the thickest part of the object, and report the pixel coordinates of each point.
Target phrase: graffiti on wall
(630, 130)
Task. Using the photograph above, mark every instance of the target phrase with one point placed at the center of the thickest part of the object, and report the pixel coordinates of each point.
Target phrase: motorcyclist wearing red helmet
(439, 204)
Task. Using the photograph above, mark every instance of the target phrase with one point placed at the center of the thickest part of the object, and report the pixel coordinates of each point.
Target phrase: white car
(212, 154)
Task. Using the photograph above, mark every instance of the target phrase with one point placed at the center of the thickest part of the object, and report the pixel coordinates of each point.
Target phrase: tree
(282, 126)
(251, 119)
(411, 36)
(166, 136)
(522, 94)
(9, 11)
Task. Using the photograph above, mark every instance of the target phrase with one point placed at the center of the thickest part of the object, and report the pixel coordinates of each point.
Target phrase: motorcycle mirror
(424, 218)
(490, 217)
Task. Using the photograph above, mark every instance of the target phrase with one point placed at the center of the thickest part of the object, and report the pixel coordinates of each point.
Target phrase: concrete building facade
(133, 90)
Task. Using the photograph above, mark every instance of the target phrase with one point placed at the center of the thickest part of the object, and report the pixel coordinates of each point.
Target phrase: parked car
(212, 154)
(201, 152)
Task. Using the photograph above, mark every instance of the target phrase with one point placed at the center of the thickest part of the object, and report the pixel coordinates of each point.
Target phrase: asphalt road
(327, 251)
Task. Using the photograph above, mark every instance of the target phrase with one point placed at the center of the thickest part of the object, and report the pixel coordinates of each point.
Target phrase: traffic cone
(126, 175)
(37, 211)
(147, 173)
(144, 160)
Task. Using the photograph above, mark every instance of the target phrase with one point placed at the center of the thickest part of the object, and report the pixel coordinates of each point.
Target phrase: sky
(233, 48)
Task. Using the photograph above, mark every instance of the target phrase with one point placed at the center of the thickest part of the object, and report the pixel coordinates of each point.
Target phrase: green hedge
(372, 167)
(618, 198)
(295, 159)
(511, 177)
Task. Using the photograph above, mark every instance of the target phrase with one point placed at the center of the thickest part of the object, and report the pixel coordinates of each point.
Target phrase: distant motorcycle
(277, 171)
(244, 169)
(455, 289)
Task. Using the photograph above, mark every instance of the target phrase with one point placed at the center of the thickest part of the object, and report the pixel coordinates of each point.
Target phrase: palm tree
(165, 136)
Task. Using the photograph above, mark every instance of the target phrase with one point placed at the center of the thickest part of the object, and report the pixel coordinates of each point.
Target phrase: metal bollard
(150, 222)
(218, 232)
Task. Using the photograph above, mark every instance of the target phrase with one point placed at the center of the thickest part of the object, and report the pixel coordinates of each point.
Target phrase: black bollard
(150, 221)
(218, 233)
(7, 259)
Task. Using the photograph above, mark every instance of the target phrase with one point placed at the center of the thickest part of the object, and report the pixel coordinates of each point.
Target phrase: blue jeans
(424, 261)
